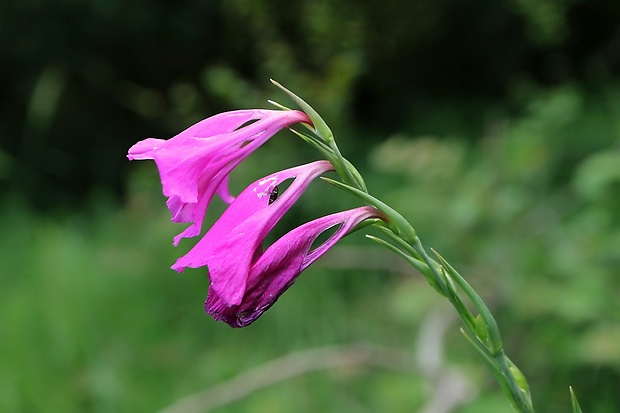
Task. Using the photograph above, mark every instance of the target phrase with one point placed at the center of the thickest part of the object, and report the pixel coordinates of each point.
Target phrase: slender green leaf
(400, 224)
(320, 126)
(574, 401)
(494, 336)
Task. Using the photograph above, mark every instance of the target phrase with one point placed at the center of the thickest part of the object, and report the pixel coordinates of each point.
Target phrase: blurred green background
(493, 126)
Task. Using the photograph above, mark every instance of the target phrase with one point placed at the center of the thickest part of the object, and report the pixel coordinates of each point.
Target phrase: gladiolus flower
(195, 164)
(278, 268)
(245, 281)
(230, 245)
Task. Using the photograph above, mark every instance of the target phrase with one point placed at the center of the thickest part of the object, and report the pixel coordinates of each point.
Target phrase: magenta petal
(278, 268)
(194, 164)
(144, 149)
(224, 122)
(223, 192)
(233, 243)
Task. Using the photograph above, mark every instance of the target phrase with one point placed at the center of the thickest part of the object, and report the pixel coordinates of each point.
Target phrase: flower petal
(223, 192)
(194, 164)
(233, 243)
(278, 268)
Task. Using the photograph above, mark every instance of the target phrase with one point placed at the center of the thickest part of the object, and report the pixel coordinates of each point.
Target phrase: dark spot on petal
(273, 195)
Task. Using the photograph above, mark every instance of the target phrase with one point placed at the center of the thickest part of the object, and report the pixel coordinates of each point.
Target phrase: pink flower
(245, 281)
(273, 272)
(228, 248)
(195, 164)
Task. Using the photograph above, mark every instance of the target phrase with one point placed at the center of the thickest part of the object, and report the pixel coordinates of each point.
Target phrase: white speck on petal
(264, 186)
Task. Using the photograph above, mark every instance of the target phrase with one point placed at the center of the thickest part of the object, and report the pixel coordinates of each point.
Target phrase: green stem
(498, 357)
(481, 330)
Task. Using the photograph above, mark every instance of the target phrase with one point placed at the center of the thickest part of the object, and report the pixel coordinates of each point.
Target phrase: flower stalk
(479, 327)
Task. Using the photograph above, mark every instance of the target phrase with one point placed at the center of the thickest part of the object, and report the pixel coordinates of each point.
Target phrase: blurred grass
(92, 318)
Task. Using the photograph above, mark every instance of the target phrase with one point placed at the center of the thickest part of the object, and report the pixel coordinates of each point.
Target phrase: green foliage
(532, 213)
(515, 184)
(82, 80)
(92, 319)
